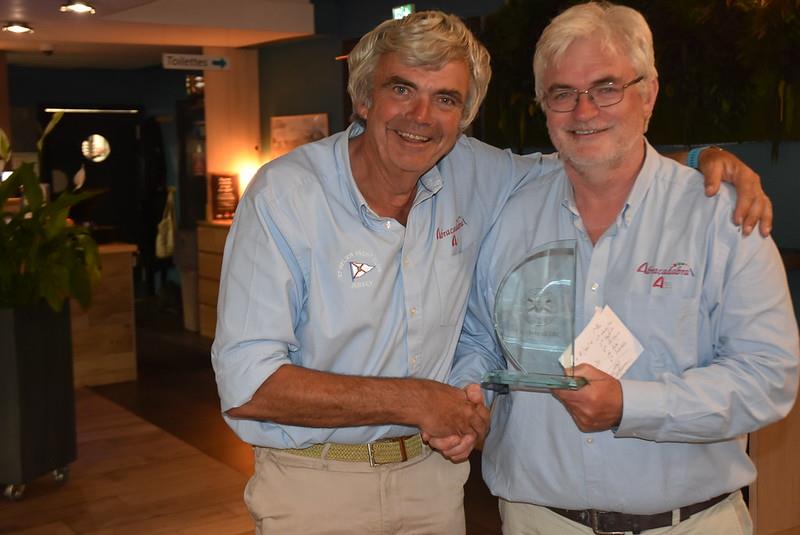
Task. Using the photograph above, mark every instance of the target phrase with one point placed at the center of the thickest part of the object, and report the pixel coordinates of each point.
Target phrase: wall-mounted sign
(224, 196)
(194, 62)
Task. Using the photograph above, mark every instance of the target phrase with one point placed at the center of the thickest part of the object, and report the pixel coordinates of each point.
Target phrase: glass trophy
(534, 317)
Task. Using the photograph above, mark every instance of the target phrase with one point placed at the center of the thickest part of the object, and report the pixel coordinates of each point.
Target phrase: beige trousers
(289, 494)
(728, 517)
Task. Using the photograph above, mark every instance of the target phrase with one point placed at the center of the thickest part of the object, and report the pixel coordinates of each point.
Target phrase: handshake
(451, 420)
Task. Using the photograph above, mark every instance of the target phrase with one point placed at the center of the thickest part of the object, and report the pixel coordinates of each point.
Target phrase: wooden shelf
(211, 236)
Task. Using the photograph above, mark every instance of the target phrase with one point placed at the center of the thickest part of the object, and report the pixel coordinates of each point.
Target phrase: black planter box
(37, 400)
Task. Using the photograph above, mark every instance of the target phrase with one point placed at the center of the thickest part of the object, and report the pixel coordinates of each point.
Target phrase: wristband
(693, 157)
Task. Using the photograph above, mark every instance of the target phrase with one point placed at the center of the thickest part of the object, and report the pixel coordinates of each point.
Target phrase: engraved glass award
(534, 317)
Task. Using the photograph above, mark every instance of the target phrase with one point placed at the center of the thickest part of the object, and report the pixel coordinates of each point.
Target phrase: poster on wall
(288, 132)
(224, 196)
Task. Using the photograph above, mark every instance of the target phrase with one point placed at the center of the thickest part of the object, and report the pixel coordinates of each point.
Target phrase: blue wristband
(693, 158)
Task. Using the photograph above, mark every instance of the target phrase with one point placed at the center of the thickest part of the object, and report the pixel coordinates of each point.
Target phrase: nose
(420, 110)
(585, 107)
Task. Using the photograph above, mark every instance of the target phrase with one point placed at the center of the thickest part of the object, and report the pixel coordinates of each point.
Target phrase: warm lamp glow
(246, 172)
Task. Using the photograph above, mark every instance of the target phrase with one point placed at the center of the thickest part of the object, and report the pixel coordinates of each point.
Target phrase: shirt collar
(428, 185)
(636, 196)
(344, 169)
(641, 186)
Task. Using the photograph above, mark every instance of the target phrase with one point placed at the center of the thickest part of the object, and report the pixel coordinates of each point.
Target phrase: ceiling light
(77, 6)
(17, 27)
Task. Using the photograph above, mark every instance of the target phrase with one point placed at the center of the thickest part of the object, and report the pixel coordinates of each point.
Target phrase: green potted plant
(44, 261)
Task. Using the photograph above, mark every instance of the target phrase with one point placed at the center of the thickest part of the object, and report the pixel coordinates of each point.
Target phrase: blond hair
(428, 39)
(621, 30)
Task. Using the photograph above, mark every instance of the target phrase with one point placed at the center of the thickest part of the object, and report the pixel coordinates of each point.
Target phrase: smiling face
(414, 117)
(590, 136)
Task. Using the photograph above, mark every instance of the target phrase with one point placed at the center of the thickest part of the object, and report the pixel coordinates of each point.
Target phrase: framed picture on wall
(288, 132)
(224, 195)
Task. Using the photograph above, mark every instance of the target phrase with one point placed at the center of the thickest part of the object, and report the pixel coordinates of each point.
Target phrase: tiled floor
(176, 392)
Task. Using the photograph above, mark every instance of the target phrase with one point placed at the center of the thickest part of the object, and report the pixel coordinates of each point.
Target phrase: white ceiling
(134, 33)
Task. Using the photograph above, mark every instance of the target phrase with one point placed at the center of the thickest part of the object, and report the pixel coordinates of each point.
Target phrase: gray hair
(424, 39)
(621, 30)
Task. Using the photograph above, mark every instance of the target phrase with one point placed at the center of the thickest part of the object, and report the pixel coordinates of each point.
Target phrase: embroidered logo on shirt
(452, 234)
(359, 269)
(355, 265)
(677, 269)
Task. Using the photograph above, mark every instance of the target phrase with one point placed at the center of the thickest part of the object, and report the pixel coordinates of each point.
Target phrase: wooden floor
(131, 477)
(155, 456)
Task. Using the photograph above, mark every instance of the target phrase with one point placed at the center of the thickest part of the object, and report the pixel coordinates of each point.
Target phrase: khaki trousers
(728, 517)
(290, 494)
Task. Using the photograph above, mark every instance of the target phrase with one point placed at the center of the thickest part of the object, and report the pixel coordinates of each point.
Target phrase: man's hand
(458, 447)
(752, 204)
(598, 405)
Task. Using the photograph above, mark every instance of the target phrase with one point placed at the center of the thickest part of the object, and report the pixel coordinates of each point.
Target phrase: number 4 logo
(659, 283)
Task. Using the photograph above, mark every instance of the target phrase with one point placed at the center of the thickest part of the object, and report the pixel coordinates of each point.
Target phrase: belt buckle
(371, 452)
(594, 516)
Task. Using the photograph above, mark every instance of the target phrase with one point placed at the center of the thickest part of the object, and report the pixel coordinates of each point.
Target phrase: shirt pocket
(453, 273)
(666, 326)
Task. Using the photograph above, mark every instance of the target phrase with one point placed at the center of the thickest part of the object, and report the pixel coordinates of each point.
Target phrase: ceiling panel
(133, 33)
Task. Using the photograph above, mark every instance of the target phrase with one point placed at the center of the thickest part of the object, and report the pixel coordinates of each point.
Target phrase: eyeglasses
(603, 95)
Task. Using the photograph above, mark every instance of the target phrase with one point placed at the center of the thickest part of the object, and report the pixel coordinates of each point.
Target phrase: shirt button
(414, 361)
(589, 440)
(595, 286)
(388, 225)
(406, 261)
(413, 311)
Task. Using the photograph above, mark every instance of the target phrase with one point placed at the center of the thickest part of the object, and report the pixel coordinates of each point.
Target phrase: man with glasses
(662, 446)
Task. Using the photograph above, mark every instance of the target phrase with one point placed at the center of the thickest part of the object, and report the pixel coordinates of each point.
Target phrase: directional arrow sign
(194, 62)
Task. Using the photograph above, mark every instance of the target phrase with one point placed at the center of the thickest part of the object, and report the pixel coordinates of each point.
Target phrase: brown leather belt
(389, 450)
(610, 522)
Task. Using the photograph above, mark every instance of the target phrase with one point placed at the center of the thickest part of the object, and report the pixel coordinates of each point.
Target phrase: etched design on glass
(534, 317)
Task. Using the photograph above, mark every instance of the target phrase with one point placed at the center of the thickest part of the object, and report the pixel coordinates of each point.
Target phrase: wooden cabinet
(210, 244)
(104, 335)
(775, 494)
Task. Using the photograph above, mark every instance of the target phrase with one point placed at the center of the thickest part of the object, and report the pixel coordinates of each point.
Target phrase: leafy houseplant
(44, 260)
(42, 256)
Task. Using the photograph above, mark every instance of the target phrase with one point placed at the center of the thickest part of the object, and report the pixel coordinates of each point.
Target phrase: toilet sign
(194, 62)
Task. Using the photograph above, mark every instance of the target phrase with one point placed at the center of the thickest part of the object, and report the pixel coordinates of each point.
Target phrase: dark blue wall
(301, 76)
(353, 18)
(153, 90)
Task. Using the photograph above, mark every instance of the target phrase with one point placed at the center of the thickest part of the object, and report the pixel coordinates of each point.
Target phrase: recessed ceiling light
(17, 27)
(77, 6)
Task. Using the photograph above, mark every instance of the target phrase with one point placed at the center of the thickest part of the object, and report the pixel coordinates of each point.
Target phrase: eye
(400, 90)
(606, 90)
(561, 95)
(447, 100)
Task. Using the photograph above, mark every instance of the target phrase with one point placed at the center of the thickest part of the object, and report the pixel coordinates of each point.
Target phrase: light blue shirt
(720, 358)
(313, 277)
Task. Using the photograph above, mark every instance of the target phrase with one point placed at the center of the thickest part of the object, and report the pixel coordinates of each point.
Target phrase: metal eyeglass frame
(590, 94)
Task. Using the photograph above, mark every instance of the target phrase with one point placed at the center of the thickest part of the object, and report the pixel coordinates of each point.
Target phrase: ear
(652, 93)
(361, 109)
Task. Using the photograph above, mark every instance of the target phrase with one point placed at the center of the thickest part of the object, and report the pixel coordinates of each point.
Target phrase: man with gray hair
(344, 286)
(661, 446)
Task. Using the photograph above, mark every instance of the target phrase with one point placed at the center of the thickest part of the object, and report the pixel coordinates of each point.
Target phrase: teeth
(585, 132)
(412, 137)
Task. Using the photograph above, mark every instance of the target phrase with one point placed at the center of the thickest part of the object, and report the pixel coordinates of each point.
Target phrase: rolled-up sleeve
(260, 301)
(752, 379)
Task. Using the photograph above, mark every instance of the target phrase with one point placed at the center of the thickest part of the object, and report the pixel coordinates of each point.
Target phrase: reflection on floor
(130, 478)
(176, 392)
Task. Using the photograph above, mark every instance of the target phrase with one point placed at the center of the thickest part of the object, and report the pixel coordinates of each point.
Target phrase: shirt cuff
(642, 407)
